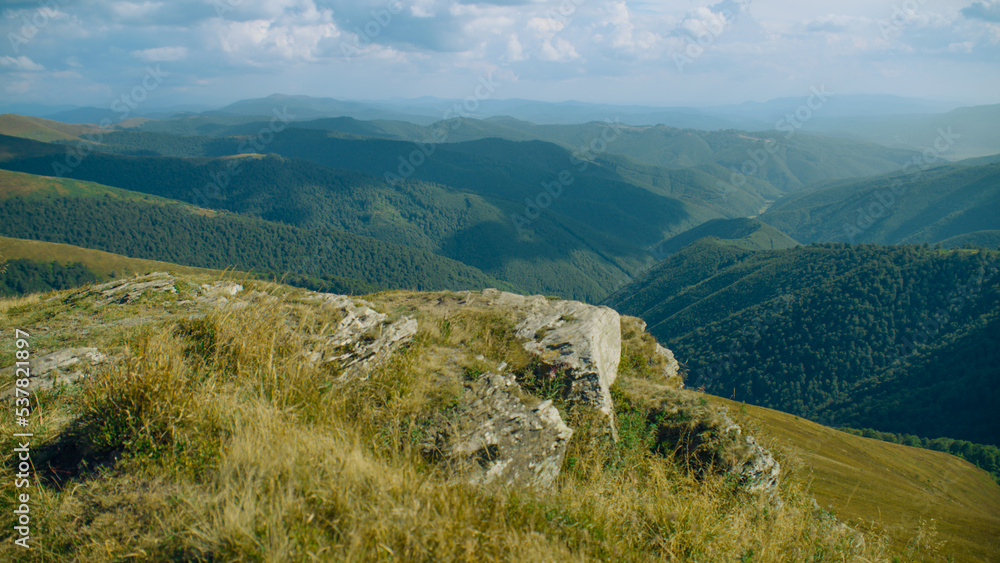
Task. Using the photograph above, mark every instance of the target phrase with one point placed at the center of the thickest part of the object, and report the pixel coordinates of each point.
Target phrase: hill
(39, 129)
(917, 206)
(974, 126)
(865, 480)
(140, 226)
(859, 336)
(179, 443)
(43, 266)
(748, 234)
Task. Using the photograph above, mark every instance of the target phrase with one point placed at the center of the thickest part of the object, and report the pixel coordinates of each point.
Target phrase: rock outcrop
(500, 433)
(362, 339)
(501, 440)
(757, 469)
(125, 291)
(63, 367)
(582, 341)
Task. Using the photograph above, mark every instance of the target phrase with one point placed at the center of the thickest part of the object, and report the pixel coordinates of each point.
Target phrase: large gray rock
(583, 341)
(671, 368)
(500, 440)
(362, 338)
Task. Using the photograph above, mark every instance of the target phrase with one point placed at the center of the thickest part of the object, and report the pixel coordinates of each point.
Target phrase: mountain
(406, 432)
(794, 161)
(30, 266)
(838, 107)
(306, 107)
(747, 116)
(646, 156)
(103, 264)
(890, 338)
(921, 205)
(427, 110)
(468, 202)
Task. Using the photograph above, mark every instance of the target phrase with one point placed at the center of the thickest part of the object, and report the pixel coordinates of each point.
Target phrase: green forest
(20, 276)
(172, 234)
(891, 338)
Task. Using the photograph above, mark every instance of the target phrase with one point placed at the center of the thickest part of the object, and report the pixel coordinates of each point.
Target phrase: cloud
(161, 54)
(987, 10)
(838, 23)
(21, 63)
(572, 48)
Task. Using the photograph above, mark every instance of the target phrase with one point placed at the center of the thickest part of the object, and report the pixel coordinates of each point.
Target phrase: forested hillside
(899, 339)
(173, 234)
(588, 239)
(748, 234)
(20, 276)
(954, 204)
(795, 161)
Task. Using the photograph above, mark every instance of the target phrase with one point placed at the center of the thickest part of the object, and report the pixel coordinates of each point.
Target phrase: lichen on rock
(499, 439)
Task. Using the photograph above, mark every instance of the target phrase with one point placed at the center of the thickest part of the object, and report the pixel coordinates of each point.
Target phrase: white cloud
(21, 63)
(161, 54)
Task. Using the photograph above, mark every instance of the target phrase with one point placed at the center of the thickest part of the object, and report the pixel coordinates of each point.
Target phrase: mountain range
(824, 271)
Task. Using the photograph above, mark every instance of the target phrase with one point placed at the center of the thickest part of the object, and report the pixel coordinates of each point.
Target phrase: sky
(685, 52)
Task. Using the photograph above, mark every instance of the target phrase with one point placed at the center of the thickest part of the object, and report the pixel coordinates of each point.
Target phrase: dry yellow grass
(904, 489)
(214, 440)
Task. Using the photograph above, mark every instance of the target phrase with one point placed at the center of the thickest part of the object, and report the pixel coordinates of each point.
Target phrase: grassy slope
(861, 480)
(748, 234)
(39, 129)
(101, 263)
(14, 184)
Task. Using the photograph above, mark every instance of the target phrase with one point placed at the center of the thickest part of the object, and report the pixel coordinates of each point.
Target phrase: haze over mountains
(893, 121)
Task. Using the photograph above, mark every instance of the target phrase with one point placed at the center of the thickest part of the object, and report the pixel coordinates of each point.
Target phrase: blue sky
(90, 52)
